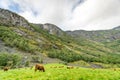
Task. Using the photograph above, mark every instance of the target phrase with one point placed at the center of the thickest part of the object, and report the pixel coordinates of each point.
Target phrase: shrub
(7, 59)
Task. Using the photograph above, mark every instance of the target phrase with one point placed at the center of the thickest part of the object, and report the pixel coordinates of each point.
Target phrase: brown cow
(70, 67)
(61, 66)
(6, 68)
(39, 67)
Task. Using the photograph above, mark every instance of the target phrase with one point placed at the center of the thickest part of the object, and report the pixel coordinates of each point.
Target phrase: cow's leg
(35, 69)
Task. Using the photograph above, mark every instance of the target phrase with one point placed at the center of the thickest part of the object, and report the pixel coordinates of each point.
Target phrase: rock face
(8, 18)
(4, 48)
(51, 28)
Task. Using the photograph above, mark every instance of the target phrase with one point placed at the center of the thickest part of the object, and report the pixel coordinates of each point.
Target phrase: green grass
(60, 74)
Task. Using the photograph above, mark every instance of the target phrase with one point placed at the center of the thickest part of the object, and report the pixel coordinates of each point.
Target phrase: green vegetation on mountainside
(11, 60)
(114, 45)
(73, 50)
(64, 47)
(47, 40)
(98, 36)
(12, 39)
(110, 38)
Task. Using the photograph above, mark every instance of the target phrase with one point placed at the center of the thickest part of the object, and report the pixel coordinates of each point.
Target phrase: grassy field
(60, 74)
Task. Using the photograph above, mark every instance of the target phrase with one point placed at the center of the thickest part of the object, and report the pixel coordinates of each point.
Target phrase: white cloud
(96, 14)
(90, 15)
(5, 4)
(47, 11)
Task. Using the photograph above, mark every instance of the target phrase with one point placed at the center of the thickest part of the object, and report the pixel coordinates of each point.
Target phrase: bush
(7, 59)
(65, 55)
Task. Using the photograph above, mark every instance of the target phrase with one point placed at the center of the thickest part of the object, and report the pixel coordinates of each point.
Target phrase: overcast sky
(68, 14)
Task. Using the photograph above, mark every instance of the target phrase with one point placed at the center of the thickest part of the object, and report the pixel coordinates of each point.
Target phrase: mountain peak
(8, 18)
(51, 28)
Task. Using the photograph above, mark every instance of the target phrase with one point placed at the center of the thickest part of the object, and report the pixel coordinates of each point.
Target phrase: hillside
(98, 36)
(47, 40)
(110, 38)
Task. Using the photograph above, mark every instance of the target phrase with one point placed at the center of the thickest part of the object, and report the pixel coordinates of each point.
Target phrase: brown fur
(70, 67)
(61, 66)
(39, 67)
(6, 68)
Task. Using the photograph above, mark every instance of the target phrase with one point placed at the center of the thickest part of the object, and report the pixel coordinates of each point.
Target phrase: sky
(68, 14)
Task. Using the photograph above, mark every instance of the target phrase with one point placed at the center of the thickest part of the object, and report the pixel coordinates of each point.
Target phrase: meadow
(53, 73)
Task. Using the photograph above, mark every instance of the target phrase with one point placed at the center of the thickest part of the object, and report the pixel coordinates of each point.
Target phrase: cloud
(68, 14)
(96, 14)
(5, 4)
(46, 11)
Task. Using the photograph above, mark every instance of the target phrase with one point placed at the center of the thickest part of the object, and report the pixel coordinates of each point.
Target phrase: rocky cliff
(51, 29)
(9, 18)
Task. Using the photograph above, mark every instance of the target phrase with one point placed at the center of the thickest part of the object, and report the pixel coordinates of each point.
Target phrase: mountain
(51, 29)
(8, 18)
(116, 28)
(110, 37)
(98, 36)
(48, 42)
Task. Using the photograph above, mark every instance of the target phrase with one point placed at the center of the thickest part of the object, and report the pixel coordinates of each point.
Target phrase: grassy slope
(60, 74)
(114, 45)
(110, 38)
(66, 49)
(85, 48)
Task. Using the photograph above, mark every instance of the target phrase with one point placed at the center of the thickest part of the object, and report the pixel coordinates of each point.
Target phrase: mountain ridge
(108, 35)
(110, 38)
